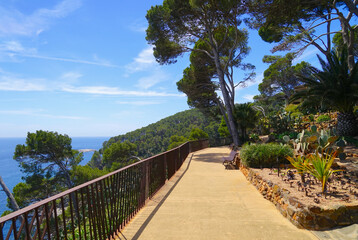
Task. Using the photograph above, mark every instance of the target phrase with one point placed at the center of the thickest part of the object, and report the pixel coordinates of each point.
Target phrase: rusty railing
(100, 208)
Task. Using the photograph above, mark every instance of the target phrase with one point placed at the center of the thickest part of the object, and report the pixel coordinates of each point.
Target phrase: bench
(230, 160)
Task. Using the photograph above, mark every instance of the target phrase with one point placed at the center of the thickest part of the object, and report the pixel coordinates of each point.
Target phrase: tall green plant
(335, 86)
(299, 162)
(320, 167)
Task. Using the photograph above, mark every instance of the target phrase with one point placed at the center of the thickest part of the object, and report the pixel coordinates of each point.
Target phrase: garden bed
(312, 211)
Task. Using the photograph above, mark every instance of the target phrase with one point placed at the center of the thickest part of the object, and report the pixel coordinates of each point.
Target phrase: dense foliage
(47, 161)
(210, 30)
(155, 138)
(264, 155)
(335, 86)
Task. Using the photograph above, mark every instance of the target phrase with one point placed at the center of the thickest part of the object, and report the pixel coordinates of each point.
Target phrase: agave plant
(334, 86)
(320, 167)
(299, 162)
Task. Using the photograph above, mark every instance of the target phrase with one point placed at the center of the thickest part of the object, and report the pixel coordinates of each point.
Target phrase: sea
(10, 171)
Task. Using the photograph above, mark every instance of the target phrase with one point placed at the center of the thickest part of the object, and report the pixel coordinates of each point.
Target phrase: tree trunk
(14, 205)
(223, 112)
(347, 124)
(229, 110)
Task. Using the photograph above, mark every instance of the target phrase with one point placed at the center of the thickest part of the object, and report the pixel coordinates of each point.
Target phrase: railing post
(165, 177)
(147, 179)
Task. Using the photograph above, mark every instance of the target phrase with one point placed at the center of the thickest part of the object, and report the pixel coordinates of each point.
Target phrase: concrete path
(205, 201)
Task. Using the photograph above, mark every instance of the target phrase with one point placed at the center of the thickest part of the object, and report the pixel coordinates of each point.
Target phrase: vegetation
(293, 24)
(299, 162)
(335, 86)
(264, 155)
(119, 154)
(46, 160)
(281, 76)
(320, 167)
(207, 28)
(246, 118)
(155, 138)
(323, 118)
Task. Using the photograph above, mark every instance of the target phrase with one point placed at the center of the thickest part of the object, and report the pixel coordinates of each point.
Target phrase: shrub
(264, 155)
(323, 118)
(311, 117)
(254, 137)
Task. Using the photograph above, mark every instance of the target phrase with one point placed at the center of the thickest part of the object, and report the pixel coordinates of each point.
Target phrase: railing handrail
(71, 190)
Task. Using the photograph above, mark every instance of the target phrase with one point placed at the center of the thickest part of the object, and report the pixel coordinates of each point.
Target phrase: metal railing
(217, 142)
(100, 208)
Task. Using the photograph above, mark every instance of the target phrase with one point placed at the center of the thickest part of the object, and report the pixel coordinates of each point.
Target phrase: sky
(83, 68)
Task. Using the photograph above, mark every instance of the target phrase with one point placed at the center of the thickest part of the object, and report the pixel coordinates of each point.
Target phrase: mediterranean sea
(10, 171)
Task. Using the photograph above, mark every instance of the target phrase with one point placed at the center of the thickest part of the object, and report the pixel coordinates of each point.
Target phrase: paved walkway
(205, 201)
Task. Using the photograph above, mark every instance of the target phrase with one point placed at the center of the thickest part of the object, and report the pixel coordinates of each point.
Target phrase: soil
(342, 188)
(337, 194)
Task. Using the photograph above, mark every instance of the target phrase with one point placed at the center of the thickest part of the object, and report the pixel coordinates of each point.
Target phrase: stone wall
(308, 217)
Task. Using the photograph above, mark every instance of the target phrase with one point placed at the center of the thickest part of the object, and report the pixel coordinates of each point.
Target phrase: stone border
(309, 217)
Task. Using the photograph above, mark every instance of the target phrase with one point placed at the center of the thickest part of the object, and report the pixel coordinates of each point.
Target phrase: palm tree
(334, 86)
(246, 117)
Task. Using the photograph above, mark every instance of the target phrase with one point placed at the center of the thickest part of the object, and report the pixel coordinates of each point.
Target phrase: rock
(291, 211)
(315, 209)
(323, 223)
(293, 201)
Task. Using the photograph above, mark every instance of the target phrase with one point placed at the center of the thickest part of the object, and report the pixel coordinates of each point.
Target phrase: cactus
(322, 142)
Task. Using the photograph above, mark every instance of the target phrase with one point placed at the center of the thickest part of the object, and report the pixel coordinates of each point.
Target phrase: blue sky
(84, 68)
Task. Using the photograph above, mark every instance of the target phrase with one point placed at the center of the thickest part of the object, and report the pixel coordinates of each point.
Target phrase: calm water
(10, 171)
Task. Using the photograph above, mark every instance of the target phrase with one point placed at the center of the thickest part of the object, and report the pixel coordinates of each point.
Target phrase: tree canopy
(281, 76)
(297, 24)
(209, 27)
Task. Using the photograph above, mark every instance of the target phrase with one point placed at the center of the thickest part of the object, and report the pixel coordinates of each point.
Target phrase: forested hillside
(155, 138)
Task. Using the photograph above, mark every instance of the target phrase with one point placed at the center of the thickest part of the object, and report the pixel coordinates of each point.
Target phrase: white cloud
(249, 97)
(38, 113)
(308, 54)
(144, 61)
(156, 77)
(103, 90)
(139, 103)
(97, 63)
(71, 77)
(66, 82)
(12, 49)
(13, 22)
(9, 83)
(139, 25)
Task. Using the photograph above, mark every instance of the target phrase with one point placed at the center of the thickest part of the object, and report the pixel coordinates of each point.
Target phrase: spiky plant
(299, 162)
(334, 86)
(320, 167)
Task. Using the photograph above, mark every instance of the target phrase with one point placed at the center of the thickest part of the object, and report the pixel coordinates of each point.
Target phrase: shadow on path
(144, 225)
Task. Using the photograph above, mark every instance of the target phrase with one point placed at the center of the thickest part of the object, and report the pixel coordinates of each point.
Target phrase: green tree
(119, 155)
(223, 129)
(46, 159)
(155, 137)
(175, 25)
(49, 154)
(197, 134)
(176, 141)
(246, 117)
(337, 87)
(281, 76)
(299, 24)
(339, 44)
(96, 161)
(82, 174)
